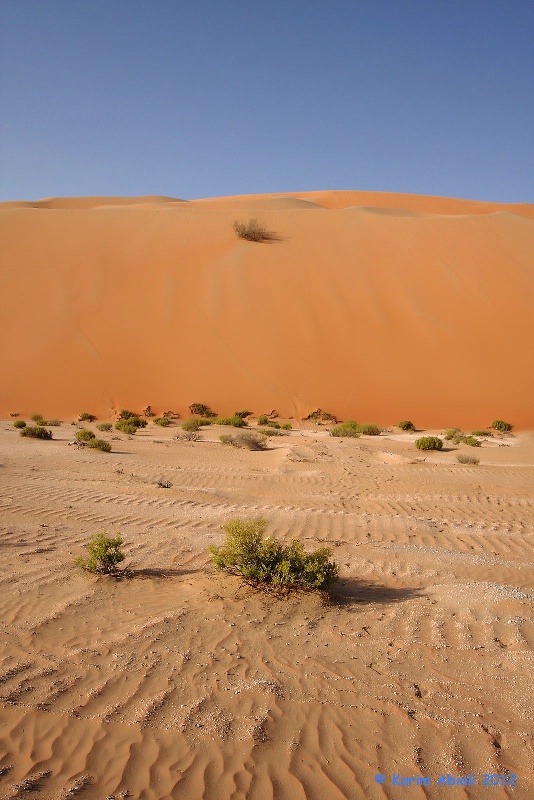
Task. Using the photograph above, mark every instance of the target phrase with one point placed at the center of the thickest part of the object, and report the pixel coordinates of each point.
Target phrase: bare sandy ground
(179, 683)
(375, 306)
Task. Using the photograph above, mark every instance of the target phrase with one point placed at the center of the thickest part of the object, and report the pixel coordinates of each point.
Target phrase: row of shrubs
(258, 561)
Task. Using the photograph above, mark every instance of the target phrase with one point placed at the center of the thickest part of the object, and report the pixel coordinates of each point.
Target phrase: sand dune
(370, 305)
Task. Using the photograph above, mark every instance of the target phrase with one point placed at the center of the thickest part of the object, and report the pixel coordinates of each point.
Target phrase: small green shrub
(270, 564)
(272, 424)
(286, 426)
(452, 433)
(125, 414)
(104, 554)
(242, 414)
(201, 410)
(37, 418)
(481, 433)
(370, 430)
(263, 420)
(348, 428)
(429, 443)
(237, 422)
(99, 444)
(320, 416)
(19, 423)
(246, 440)
(84, 435)
(270, 432)
(471, 441)
(192, 425)
(406, 425)
(130, 424)
(251, 230)
(463, 458)
(86, 417)
(501, 425)
(36, 432)
(54, 423)
(104, 426)
(163, 421)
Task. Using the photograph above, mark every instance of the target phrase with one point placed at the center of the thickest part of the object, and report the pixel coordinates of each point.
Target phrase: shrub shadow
(155, 572)
(354, 592)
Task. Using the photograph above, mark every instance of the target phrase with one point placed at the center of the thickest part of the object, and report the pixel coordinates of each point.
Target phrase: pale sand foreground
(176, 683)
(371, 305)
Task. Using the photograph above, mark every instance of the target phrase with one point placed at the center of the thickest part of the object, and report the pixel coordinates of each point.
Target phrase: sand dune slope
(370, 305)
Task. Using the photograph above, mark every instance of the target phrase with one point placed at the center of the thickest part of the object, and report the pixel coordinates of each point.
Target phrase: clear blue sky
(197, 98)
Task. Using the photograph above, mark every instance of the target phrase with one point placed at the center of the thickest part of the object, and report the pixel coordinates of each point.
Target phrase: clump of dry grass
(252, 231)
(246, 440)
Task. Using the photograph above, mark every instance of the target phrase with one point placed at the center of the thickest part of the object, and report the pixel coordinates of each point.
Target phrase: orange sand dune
(369, 305)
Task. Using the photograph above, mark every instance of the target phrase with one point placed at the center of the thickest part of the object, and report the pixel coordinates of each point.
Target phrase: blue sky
(214, 97)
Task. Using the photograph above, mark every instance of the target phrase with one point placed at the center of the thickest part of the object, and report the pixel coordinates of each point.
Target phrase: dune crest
(377, 306)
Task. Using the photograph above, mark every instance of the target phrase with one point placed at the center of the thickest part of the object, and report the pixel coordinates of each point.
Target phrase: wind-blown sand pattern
(178, 683)
(374, 306)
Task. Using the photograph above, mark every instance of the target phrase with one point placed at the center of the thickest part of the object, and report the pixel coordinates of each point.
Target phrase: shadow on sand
(354, 592)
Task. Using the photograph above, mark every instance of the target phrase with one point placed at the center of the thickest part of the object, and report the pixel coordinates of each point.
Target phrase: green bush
(245, 440)
(272, 424)
(471, 441)
(463, 458)
(36, 432)
(452, 433)
(348, 428)
(242, 414)
(130, 424)
(270, 432)
(481, 433)
(125, 414)
(263, 420)
(86, 417)
(99, 444)
(54, 423)
(104, 426)
(286, 426)
(237, 422)
(270, 564)
(406, 425)
(192, 425)
(84, 435)
(104, 554)
(19, 423)
(163, 421)
(37, 418)
(501, 425)
(370, 430)
(251, 230)
(429, 443)
(201, 410)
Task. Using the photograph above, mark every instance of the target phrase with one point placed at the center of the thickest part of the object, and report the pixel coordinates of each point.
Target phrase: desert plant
(348, 428)
(163, 483)
(86, 417)
(54, 423)
(452, 433)
(36, 432)
(19, 423)
(501, 425)
(472, 441)
(201, 410)
(263, 419)
(104, 426)
(251, 230)
(270, 432)
(188, 436)
(270, 564)
(191, 425)
(237, 422)
(429, 443)
(125, 414)
(84, 435)
(286, 426)
(242, 414)
(99, 444)
(369, 430)
(320, 416)
(463, 458)
(245, 440)
(163, 421)
(406, 425)
(37, 418)
(481, 433)
(104, 554)
(130, 424)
